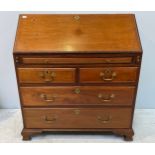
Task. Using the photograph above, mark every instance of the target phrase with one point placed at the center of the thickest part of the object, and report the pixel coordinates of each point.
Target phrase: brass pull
(76, 17)
(108, 75)
(77, 112)
(47, 76)
(45, 98)
(105, 98)
(50, 120)
(77, 91)
(104, 119)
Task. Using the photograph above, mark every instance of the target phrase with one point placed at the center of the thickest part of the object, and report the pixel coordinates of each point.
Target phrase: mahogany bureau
(77, 72)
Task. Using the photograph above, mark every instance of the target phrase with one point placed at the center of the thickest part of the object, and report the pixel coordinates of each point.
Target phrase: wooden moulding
(126, 133)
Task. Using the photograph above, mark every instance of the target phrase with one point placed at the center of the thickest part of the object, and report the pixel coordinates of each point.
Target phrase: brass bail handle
(50, 119)
(108, 75)
(47, 76)
(106, 98)
(47, 98)
(104, 119)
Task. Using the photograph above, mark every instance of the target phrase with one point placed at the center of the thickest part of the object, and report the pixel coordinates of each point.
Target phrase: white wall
(146, 91)
(8, 86)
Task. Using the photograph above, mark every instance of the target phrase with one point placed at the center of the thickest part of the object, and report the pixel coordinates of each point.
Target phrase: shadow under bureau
(77, 72)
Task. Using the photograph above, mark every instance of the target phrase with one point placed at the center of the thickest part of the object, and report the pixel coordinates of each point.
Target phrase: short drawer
(108, 75)
(46, 75)
(72, 95)
(77, 118)
(86, 60)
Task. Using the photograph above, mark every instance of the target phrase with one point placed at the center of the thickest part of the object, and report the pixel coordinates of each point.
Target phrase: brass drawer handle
(50, 120)
(104, 119)
(77, 91)
(46, 98)
(106, 98)
(108, 75)
(47, 76)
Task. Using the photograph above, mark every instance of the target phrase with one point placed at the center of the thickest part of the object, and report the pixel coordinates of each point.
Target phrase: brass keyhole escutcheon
(77, 112)
(76, 17)
(77, 91)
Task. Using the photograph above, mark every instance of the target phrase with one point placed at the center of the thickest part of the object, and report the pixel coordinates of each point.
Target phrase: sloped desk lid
(77, 33)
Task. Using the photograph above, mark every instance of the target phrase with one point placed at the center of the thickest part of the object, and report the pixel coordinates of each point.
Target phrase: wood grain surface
(46, 75)
(77, 117)
(87, 34)
(87, 95)
(105, 75)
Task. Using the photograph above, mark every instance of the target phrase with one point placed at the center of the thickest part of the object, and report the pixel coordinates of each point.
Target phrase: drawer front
(77, 118)
(108, 75)
(46, 75)
(109, 60)
(84, 95)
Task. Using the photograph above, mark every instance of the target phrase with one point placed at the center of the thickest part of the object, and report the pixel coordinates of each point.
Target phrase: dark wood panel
(46, 75)
(108, 75)
(77, 118)
(85, 95)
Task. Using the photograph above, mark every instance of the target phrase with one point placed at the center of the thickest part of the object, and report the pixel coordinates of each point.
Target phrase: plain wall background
(8, 87)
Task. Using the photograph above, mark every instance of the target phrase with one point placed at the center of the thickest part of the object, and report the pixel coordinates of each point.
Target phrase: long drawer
(77, 118)
(86, 60)
(108, 75)
(46, 75)
(73, 95)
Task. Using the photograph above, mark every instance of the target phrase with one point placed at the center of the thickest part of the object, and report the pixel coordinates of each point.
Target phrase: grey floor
(11, 126)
